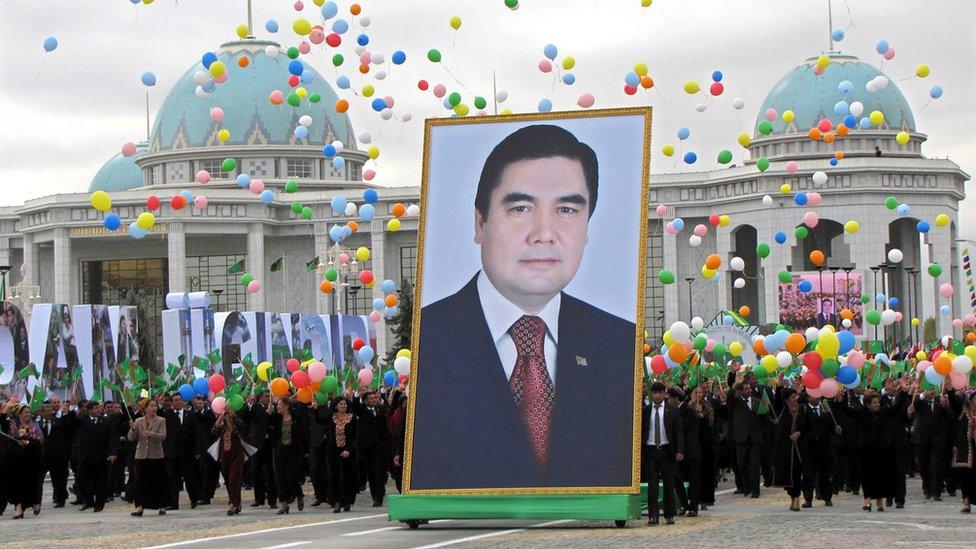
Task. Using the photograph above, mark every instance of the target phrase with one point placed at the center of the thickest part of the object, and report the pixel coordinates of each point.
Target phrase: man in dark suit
(817, 427)
(373, 443)
(203, 436)
(748, 431)
(93, 448)
(255, 414)
(178, 449)
(689, 470)
(512, 370)
(929, 438)
(315, 418)
(57, 448)
(663, 436)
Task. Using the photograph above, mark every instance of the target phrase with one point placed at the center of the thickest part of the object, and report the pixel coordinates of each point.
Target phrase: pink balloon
(810, 219)
(661, 210)
(923, 365)
(299, 5)
(815, 393)
(368, 175)
(586, 100)
(253, 287)
(203, 176)
(670, 228)
(439, 90)
(771, 114)
(709, 345)
(389, 101)
(218, 405)
(366, 58)
(898, 316)
(481, 113)
(343, 258)
(375, 316)
(890, 54)
(317, 36)
(818, 71)
(217, 114)
(200, 202)
(220, 79)
(957, 323)
(304, 47)
(256, 186)
(814, 199)
(969, 319)
(545, 65)
(276, 96)
(946, 290)
(856, 359)
(365, 376)
(829, 387)
(317, 372)
(701, 229)
(959, 381)
(791, 167)
(128, 149)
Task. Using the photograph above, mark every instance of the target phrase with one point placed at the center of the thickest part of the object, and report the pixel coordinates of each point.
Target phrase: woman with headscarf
(229, 428)
(963, 450)
(24, 458)
(289, 443)
(340, 439)
(787, 463)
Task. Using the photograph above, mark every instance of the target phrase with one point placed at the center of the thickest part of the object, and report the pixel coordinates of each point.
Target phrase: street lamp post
(847, 287)
(833, 287)
(820, 298)
(689, 280)
(343, 260)
(910, 309)
(874, 298)
(217, 293)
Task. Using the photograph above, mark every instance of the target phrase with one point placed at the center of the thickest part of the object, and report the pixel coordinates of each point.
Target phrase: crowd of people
(152, 452)
(862, 441)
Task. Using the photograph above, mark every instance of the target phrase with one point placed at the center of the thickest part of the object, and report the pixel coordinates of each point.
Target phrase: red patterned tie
(531, 385)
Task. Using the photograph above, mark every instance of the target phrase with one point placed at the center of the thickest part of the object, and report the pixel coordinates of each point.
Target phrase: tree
(402, 322)
(147, 347)
(928, 331)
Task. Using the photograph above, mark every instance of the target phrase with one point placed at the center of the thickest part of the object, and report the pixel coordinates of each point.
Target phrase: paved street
(734, 522)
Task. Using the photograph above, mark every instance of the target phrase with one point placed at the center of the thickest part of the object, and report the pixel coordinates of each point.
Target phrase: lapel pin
(580, 361)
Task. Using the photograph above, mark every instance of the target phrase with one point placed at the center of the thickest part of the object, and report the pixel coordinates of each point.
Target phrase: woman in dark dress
(289, 441)
(963, 450)
(787, 464)
(23, 458)
(340, 438)
(151, 480)
(229, 428)
(708, 438)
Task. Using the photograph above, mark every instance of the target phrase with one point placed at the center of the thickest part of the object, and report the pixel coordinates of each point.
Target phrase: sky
(65, 113)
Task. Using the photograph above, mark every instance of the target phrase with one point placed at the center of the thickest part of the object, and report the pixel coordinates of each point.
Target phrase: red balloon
(716, 88)
(300, 379)
(658, 365)
(294, 81)
(333, 40)
(152, 203)
(216, 383)
(630, 90)
(812, 379)
(292, 364)
(423, 85)
(178, 202)
(813, 361)
(358, 344)
(713, 219)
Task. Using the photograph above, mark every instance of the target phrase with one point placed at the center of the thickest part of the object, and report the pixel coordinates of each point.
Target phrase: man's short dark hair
(657, 387)
(532, 143)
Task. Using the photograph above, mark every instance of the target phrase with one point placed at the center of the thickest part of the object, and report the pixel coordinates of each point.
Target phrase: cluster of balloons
(638, 79)
(250, 284)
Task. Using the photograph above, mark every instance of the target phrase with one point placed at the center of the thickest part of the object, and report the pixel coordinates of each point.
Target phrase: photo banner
(829, 295)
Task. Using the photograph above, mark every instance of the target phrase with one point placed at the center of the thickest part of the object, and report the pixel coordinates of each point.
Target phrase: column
(255, 264)
(321, 234)
(672, 296)
(176, 252)
(62, 266)
(30, 260)
(941, 252)
(778, 260)
(377, 257)
(723, 244)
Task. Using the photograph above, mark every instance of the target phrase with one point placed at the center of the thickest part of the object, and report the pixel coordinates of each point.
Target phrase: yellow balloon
(788, 116)
(640, 69)
(569, 62)
(922, 71)
(916, 322)
(506, 112)
(823, 61)
(692, 87)
(373, 152)
(941, 220)
(101, 201)
(902, 138)
(735, 348)
(217, 69)
(646, 3)
(318, 2)
(368, 91)
(668, 339)
(393, 225)
(146, 220)
(876, 117)
(301, 92)
(263, 369)
(242, 31)
(301, 26)
(851, 227)
(362, 253)
(768, 363)
(785, 188)
(147, 2)
(668, 150)
(744, 139)
(828, 344)
(223, 135)
(970, 351)
(708, 273)
(724, 220)
(455, 22)
(461, 109)
(403, 352)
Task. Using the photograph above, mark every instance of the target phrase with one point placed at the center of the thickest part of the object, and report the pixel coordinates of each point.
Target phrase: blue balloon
(200, 386)
(882, 47)
(864, 124)
(366, 212)
(301, 132)
(362, 39)
(338, 204)
(935, 92)
(550, 51)
(801, 199)
(186, 391)
(780, 237)
(569, 79)
(295, 67)
(50, 44)
(148, 79)
(336, 234)
(306, 77)
(845, 86)
(922, 226)
(112, 222)
(271, 25)
(338, 162)
(378, 304)
(370, 196)
(267, 196)
(880, 298)
(934, 377)
(631, 79)
(447, 104)
(717, 76)
(690, 157)
(847, 341)
(366, 354)
(804, 286)
(837, 35)
(726, 320)
(846, 375)
(329, 10)
(833, 162)
(340, 26)
(854, 384)
(137, 232)
(678, 224)
(850, 121)
(398, 57)
(388, 286)
(944, 310)
(390, 311)
(903, 209)
(545, 105)
(342, 82)
(328, 151)
(390, 378)
(893, 303)
(841, 108)
(209, 86)
(208, 59)
(187, 195)
(346, 230)
(243, 181)
(683, 133)
(378, 104)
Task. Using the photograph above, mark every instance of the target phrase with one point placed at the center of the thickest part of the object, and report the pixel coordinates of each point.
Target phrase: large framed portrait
(527, 362)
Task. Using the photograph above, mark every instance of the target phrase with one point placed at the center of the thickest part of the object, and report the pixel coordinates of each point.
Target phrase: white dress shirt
(659, 425)
(500, 314)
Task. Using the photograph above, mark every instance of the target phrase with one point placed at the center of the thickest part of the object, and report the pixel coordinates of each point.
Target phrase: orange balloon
(279, 387)
(352, 224)
(744, 310)
(342, 105)
(817, 258)
(839, 155)
(843, 130)
(243, 61)
(795, 343)
(399, 210)
(943, 364)
(759, 348)
(646, 82)
(677, 352)
(326, 287)
(829, 137)
(647, 348)
(304, 395)
(364, 69)
(315, 386)
(355, 9)
(815, 134)
(970, 337)
(846, 314)
(713, 262)
(694, 359)
(390, 300)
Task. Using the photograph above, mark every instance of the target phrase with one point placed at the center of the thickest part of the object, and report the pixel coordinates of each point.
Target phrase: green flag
(313, 264)
(27, 371)
(276, 264)
(236, 268)
(37, 398)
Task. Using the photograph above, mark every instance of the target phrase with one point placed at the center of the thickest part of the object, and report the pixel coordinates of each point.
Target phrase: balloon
(665, 276)
(829, 388)
(690, 157)
(762, 250)
(922, 71)
(112, 222)
(810, 219)
(200, 386)
(935, 270)
(946, 290)
(586, 100)
(50, 44)
(691, 87)
(148, 79)
(146, 221)
(218, 405)
(279, 387)
(851, 227)
(101, 201)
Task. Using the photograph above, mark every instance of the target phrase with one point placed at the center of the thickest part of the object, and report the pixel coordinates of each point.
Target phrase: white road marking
(490, 535)
(292, 544)
(723, 492)
(896, 523)
(265, 531)
(373, 531)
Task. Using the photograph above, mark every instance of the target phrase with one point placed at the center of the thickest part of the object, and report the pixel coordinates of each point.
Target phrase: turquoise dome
(120, 173)
(812, 97)
(184, 119)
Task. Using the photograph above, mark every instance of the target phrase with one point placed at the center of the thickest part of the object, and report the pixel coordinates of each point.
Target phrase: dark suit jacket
(816, 431)
(467, 430)
(257, 424)
(203, 435)
(179, 435)
(57, 443)
(747, 425)
(93, 441)
(674, 427)
(374, 430)
(930, 425)
(689, 423)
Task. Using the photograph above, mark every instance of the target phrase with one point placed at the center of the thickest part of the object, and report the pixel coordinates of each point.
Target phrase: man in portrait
(519, 384)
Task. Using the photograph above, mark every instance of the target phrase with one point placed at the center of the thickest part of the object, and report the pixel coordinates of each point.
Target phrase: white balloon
(201, 77)
(680, 332)
(739, 283)
(737, 263)
(350, 208)
(338, 146)
(847, 323)
(701, 107)
(871, 86)
(783, 359)
(694, 240)
(413, 210)
(501, 96)
(200, 92)
(359, 50)
(767, 200)
(697, 323)
(305, 120)
(811, 334)
(402, 365)
(386, 114)
(738, 103)
(406, 117)
(380, 74)
(881, 82)
(365, 137)
(819, 178)
(895, 255)
(962, 364)
(857, 108)
(377, 58)
(271, 51)
(364, 21)
(888, 317)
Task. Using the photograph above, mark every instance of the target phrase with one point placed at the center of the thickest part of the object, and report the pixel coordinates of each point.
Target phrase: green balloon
(759, 371)
(321, 398)
(291, 187)
(765, 127)
(434, 56)
(762, 163)
(891, 203)
(700, 342)
(246, 279)
(785, 277)
(294, 100)
(665, 276)
(762, 250)
(330, 385)
(935, 270)
(454, 99)
(306, 213)
(337, 59)
(801, 232)
(511, 4)
(228, 165)
(865, 299)
(314, 98)
(292, 53)
(873, 317)
(480, 103)
(297, 207)
(829, 367)
(719, 350)
(725, 157)
(331, 275)
(235, 403)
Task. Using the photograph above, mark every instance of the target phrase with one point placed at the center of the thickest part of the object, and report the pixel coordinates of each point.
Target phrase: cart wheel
(413, 524)
(620, 523)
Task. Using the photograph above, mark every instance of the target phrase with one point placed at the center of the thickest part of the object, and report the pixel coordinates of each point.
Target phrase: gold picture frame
(634, 487)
